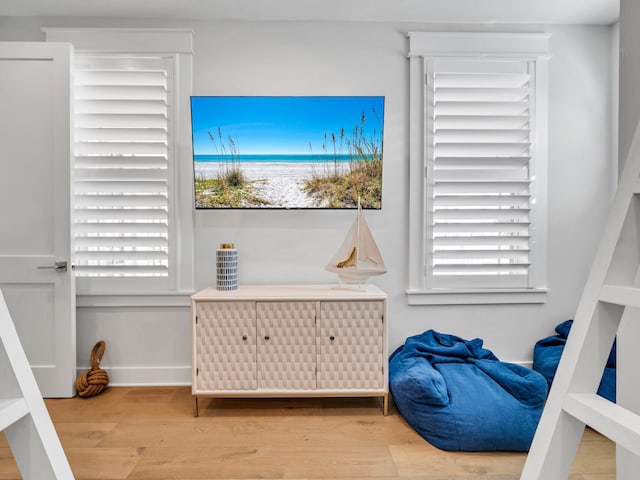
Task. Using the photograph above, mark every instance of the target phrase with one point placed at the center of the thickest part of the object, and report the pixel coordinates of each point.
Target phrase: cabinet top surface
(293, 292)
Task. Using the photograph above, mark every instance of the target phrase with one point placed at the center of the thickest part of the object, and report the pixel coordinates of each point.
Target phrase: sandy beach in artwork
(280, 183)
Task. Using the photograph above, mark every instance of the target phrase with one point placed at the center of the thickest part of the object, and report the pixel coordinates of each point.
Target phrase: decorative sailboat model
(358, 258)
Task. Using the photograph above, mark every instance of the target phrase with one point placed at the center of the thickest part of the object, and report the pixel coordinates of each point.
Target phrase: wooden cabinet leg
(385, 404)
(195, 410)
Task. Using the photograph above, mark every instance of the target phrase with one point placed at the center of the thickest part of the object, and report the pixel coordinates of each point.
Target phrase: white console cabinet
(290, 341)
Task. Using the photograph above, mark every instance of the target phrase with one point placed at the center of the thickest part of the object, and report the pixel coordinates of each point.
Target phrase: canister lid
(227, 245)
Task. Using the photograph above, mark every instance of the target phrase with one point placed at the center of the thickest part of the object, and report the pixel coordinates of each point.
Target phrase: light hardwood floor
(150, 433)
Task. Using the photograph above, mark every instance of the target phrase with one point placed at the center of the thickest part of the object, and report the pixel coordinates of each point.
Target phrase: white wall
(255, 58)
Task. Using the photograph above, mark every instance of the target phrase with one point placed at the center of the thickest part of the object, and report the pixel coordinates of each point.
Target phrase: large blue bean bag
(547, 353)
(459, 396)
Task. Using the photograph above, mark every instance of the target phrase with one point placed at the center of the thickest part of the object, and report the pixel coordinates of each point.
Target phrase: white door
(35, 231)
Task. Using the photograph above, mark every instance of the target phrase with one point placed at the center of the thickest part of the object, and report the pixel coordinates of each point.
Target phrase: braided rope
(93, 381)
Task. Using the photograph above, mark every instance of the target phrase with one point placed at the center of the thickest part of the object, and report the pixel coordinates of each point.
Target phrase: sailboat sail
(359, 257)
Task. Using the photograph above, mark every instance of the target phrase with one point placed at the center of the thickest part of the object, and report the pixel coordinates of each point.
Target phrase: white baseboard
(164, 376)
(146, 376)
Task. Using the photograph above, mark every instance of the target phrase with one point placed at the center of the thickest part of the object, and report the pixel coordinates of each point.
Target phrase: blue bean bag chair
(459, 397)
(547, 353)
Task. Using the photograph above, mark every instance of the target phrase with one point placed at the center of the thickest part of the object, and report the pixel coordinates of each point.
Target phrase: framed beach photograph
(286, 152)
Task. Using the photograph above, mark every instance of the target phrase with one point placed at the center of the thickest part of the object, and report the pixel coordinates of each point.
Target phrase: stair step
(613, 421)
(12, 410)
(627, 296)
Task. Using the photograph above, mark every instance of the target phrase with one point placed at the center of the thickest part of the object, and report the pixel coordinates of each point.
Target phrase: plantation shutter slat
(487, 109)
(480, 139)
(121, 176)
(138, 92)
(109, 186)
(123, 107)
(118, 269)
(139, 242)
(126, 134)
(102, 148)
(125, 258)
(471, 202)
(112, 75)
(120, 214)
(114, 120)
(478, 149)
(455, 94)
(120, 201)
(146, 163)
(482, 122)
(101, 228)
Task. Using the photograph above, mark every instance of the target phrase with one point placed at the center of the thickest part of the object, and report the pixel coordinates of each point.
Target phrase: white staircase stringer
(23, 415)
(571, 405)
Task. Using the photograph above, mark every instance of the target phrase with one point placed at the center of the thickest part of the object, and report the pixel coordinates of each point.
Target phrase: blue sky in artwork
(282, 125)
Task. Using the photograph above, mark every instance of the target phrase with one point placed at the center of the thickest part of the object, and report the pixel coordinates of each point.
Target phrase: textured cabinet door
(226, 346)
(351, 345)
(286, 345)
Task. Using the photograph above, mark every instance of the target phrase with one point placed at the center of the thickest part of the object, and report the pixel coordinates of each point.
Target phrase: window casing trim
(477, 44)
(426, 46)
(475, 297)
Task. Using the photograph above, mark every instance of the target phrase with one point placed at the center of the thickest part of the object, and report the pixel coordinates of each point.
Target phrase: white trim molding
(134, 299)
(475, 297)
(146, 376)
(124, 40)
(477, 44)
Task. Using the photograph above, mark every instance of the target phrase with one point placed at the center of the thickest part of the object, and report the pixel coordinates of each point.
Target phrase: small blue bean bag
(459, 397)
(547, 353)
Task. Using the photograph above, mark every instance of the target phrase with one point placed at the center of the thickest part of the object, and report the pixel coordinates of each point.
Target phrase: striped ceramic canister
(226, 267)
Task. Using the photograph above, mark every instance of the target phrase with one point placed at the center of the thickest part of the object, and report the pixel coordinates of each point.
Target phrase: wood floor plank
(149, 433)
(8, 468)
(264, 462)
(102, 463)
(83, 435)
(117, 404)
(283, 431)
(258, 407)
(595, 456)
(417, 460)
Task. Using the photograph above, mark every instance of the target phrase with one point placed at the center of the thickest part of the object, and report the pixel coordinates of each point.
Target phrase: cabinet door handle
(266, 337)
(332, 338)
(244, 337)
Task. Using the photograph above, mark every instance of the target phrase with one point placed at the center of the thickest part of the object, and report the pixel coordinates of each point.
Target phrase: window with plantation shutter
(480, 119)
(479, 229)
(122, 175)
(132, 195)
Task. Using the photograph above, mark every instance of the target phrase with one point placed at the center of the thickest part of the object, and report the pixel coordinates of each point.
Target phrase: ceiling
(423, 11)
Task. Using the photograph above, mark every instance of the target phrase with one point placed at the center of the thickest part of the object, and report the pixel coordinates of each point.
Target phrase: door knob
(58, 266)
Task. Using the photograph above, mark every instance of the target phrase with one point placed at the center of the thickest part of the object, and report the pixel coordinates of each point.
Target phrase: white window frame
(176, 44)
(424, 46)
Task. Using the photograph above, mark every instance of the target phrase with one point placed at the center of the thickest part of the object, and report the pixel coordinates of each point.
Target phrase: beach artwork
(287, 152)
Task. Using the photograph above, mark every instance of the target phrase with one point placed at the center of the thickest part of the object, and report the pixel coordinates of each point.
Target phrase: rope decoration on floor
(93, 381)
